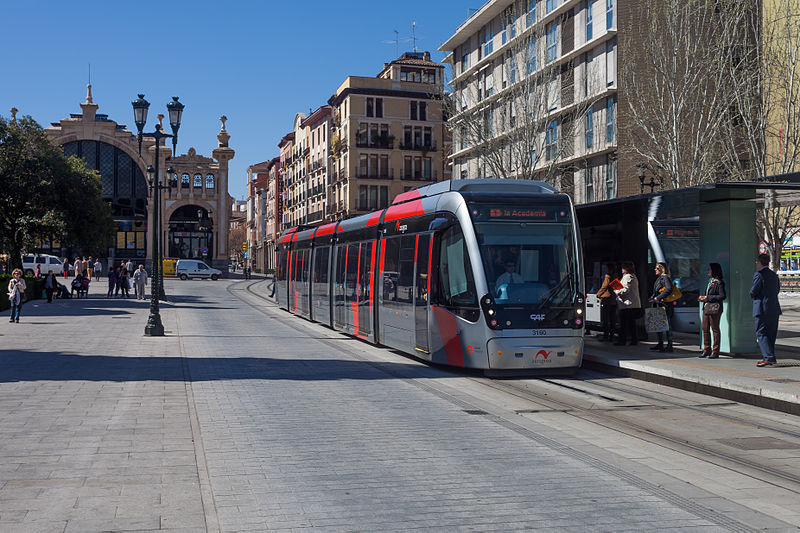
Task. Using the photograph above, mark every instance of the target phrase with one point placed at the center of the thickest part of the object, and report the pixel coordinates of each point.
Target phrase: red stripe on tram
(448, 328)
(372, 276)
(430, 257)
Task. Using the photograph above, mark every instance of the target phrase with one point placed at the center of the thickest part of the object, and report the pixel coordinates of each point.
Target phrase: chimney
(426, 56)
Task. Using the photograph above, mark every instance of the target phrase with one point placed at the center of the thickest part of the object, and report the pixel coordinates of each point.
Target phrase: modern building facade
(388, 135)
(540, 78)
(194, 210)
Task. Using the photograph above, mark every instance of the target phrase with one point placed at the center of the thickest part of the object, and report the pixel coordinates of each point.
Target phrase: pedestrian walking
(766, 309)
(90, 268)
(712, 311)
(37, 272)
(98, 269)
(16, 294)
(629, 304)
(140, 281)
(129, 266)
(662, 291)
(50, 285)
(65, 267)
(113, 282)
(608, 303)
(78, 266)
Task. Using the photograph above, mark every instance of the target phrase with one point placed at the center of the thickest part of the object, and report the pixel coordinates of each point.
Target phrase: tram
(482, 273)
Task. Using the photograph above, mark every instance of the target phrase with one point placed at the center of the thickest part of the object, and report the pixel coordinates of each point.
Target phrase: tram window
(321, 264)
(456, 287)
(352, 273)
(391, 268)
(405, 279)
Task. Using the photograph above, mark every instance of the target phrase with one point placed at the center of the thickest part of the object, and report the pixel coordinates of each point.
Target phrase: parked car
(192, 268)
(48, 262)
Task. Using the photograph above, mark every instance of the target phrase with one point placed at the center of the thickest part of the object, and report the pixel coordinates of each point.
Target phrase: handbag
(712, 308)
(655, 320)
(673, 295)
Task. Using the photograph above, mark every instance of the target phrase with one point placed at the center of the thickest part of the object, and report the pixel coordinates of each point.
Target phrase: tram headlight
(579, 311)
(487, 301)
(490, 312)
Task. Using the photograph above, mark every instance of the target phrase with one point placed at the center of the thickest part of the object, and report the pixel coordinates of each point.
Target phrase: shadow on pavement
(18, 366)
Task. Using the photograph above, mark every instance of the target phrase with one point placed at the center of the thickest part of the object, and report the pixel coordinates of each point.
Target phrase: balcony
(419, 176)
(383, 143)
(418, 147)
(376, 175)
(315, 216)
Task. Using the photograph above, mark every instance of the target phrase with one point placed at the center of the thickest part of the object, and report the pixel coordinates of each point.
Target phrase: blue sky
(257, 62)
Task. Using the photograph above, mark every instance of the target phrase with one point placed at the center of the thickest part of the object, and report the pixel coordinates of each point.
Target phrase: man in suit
(766, 309)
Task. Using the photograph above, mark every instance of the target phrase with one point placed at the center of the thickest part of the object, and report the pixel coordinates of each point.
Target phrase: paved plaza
(244, 418)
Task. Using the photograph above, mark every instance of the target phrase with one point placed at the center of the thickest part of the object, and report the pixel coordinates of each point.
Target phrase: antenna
(396, 43)
(414, 35)
(90, 73)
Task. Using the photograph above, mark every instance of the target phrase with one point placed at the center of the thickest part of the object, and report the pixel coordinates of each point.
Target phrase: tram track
(610, 418)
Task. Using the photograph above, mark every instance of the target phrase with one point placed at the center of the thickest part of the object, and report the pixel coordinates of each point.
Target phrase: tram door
(421, 291)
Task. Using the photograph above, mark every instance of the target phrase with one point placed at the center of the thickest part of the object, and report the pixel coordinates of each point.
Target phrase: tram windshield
(529, 262)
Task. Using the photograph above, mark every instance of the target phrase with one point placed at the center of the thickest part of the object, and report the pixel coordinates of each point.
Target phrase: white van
(192, 268)
(48, 262)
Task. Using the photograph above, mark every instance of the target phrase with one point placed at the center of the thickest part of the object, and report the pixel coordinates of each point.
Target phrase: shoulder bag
(712, 308)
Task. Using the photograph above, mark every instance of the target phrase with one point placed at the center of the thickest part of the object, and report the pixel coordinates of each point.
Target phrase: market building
(195, 208)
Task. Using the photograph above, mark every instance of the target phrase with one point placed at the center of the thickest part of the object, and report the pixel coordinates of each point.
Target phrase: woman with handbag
(661, 290)
(712, 310)
(16, 294)
(608, 303)
(629, 303)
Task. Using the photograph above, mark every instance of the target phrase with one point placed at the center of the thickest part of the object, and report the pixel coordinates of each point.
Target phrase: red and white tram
(482, 273)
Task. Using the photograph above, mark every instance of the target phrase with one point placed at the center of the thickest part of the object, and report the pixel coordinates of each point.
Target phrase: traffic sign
(204, 250)
(244, 245)
(762, 247)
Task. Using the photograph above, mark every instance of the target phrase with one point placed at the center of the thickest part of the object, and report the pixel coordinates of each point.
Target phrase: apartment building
(317, 133)
(273, 213)
(287, 150)
(257, 183)
(535, 94)
(388, 135)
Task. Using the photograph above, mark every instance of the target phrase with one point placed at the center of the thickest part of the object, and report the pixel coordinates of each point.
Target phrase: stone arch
(190, 230)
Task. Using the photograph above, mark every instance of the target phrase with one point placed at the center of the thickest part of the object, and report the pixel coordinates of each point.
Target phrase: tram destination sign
(519, 213)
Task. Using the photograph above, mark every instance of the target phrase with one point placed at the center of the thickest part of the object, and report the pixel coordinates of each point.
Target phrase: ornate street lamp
(640, 167)
(154, 327)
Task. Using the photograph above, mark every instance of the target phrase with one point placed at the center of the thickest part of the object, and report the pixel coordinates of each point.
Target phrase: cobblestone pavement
(245, 418)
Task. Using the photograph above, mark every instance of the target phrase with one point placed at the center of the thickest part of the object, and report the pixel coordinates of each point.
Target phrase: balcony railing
(420, 147)
(376, 175)
(419, 176)
(375, 143)
(315, 216)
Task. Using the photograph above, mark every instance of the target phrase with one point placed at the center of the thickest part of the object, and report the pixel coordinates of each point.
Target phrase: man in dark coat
(766, 308)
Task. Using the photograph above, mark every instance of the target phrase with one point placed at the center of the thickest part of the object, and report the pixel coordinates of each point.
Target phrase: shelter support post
(728, 237)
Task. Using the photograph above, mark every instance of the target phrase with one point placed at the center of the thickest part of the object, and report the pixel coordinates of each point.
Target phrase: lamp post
(154, 327)
(640, 167)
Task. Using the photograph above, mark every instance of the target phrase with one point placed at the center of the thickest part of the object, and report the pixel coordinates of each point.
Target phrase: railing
(384, 145)
(376, 175)
(419, 176)
(421, 147)
(315, 216)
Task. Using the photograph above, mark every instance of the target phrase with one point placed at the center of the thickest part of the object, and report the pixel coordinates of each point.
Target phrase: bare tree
(517, 116)
(236, 237)
(675, 70)
(762, 130)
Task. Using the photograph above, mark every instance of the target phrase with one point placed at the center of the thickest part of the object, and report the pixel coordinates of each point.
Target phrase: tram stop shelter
(688, 229)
